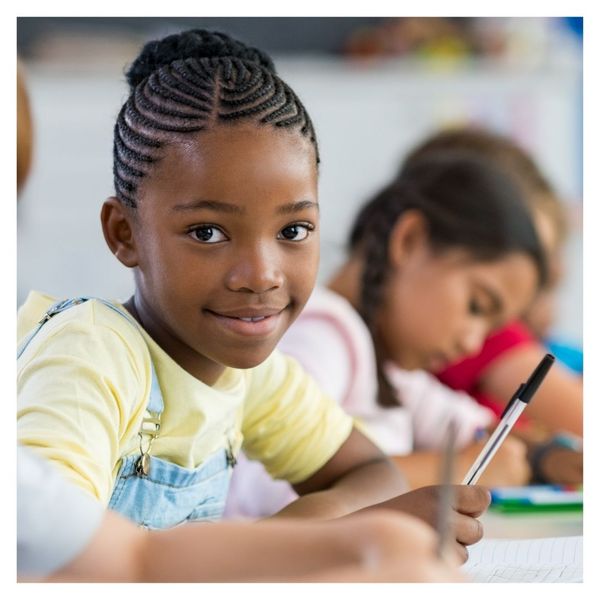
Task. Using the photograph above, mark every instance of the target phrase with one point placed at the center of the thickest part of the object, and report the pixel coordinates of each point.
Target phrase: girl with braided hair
(438, 258)
(553, 427)
(145, 404)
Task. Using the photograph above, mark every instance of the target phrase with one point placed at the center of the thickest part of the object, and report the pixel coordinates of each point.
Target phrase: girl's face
(438, 308)
(226, 236)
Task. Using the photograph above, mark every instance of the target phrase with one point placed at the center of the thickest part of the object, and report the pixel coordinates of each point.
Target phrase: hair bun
(195, 43)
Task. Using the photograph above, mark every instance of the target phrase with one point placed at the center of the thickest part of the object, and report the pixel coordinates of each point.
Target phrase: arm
(376, 547)
(359, 478)
(358, 475)
(80, 393)
(63, 534)
(558, 404)
(509, 466)
(304, 437)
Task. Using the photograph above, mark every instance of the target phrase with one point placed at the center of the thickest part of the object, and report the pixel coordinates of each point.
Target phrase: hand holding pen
(450, 509)
(510, 466)
(513, 410)
(453, 509)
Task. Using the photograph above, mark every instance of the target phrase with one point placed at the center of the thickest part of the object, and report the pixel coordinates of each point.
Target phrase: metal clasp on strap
(148, 432)
(230, 455)
(60, 306)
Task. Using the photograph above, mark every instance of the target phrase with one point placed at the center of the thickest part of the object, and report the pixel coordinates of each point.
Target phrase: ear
(117, 226)
(408, 235)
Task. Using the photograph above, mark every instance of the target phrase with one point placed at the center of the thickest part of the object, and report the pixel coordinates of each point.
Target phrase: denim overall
(149, 490)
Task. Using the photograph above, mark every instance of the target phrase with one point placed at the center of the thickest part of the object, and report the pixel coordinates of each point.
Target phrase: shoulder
(334, 345)
(31, 311)
(91, 331)
(328, 305)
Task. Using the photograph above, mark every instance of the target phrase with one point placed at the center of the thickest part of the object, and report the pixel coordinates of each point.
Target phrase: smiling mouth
(249, 314)
(262, 323)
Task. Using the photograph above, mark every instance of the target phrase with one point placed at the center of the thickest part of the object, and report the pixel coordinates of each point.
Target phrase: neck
(196, 365)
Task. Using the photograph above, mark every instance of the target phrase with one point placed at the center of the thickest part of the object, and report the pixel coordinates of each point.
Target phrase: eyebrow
(226, 207)
(294, 207)
(214, 205)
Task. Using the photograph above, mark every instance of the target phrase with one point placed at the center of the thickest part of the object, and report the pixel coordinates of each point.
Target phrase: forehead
(234, 163)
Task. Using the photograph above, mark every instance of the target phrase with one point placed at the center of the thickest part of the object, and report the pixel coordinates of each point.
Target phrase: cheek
(301, 272)
(406, 317)
(435, 316)
(174, 273)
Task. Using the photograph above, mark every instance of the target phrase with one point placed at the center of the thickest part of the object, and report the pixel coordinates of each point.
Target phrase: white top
(332, 342)
(55, 519)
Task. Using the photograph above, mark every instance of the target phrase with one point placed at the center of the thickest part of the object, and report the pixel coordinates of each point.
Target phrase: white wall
(365, 120)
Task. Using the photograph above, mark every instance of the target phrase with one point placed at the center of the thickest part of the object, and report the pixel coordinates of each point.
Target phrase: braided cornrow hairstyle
(468, 204)
(189, 82)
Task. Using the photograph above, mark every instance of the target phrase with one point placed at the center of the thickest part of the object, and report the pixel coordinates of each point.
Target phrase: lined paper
(549, 560)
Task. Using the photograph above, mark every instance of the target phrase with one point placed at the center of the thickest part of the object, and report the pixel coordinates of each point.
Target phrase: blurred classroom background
(373, 86)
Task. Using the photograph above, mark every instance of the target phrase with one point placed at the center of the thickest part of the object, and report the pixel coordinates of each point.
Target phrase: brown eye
(208, 234)
(296, 232)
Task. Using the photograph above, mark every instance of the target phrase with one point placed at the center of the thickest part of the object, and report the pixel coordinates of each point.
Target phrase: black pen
(513, 410)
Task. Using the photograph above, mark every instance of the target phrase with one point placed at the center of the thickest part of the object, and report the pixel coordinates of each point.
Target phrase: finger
(461, 552)
(467, 529)
(471, 500)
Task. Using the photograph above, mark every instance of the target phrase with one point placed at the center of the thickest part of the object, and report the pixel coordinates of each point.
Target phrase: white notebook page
(549, 560)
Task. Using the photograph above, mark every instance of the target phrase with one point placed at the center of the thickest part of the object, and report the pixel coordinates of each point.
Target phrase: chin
(409, 363)
(245, 364)
(248, 361)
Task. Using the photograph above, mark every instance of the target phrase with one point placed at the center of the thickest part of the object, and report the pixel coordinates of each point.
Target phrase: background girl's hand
(561, 466)
(469, 503)
(508, 467)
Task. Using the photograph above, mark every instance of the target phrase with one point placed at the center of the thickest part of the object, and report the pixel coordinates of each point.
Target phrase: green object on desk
(536, 498)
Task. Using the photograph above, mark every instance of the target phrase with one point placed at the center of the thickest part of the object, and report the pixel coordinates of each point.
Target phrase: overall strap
(56, 308)
(155, 402)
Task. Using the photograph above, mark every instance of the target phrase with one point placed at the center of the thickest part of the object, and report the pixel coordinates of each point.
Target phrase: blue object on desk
(537, 498)
(568, 354)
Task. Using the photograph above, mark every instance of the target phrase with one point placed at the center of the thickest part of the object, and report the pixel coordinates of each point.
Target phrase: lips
(247, 313)
(255, 321)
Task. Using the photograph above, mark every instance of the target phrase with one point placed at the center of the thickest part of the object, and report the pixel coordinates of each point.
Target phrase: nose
(256, 270)
(471, 339)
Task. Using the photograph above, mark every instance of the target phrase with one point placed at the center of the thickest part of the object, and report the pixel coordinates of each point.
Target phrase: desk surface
(532, 524)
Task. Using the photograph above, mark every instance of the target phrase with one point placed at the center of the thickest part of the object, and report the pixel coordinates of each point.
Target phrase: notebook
(540, 560)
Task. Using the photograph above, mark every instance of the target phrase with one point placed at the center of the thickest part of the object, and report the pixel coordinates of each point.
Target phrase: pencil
(446, 498)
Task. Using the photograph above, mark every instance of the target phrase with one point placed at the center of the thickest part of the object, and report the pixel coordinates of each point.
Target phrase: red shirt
(466, 374)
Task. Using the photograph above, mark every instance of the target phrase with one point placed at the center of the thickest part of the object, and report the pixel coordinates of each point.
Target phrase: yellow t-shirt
(84, 381)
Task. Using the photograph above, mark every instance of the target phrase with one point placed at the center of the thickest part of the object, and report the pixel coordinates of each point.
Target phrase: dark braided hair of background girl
(468, 204)
(190, 82)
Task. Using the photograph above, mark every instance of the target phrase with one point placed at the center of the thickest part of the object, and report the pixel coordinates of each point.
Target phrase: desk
(497, 524)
